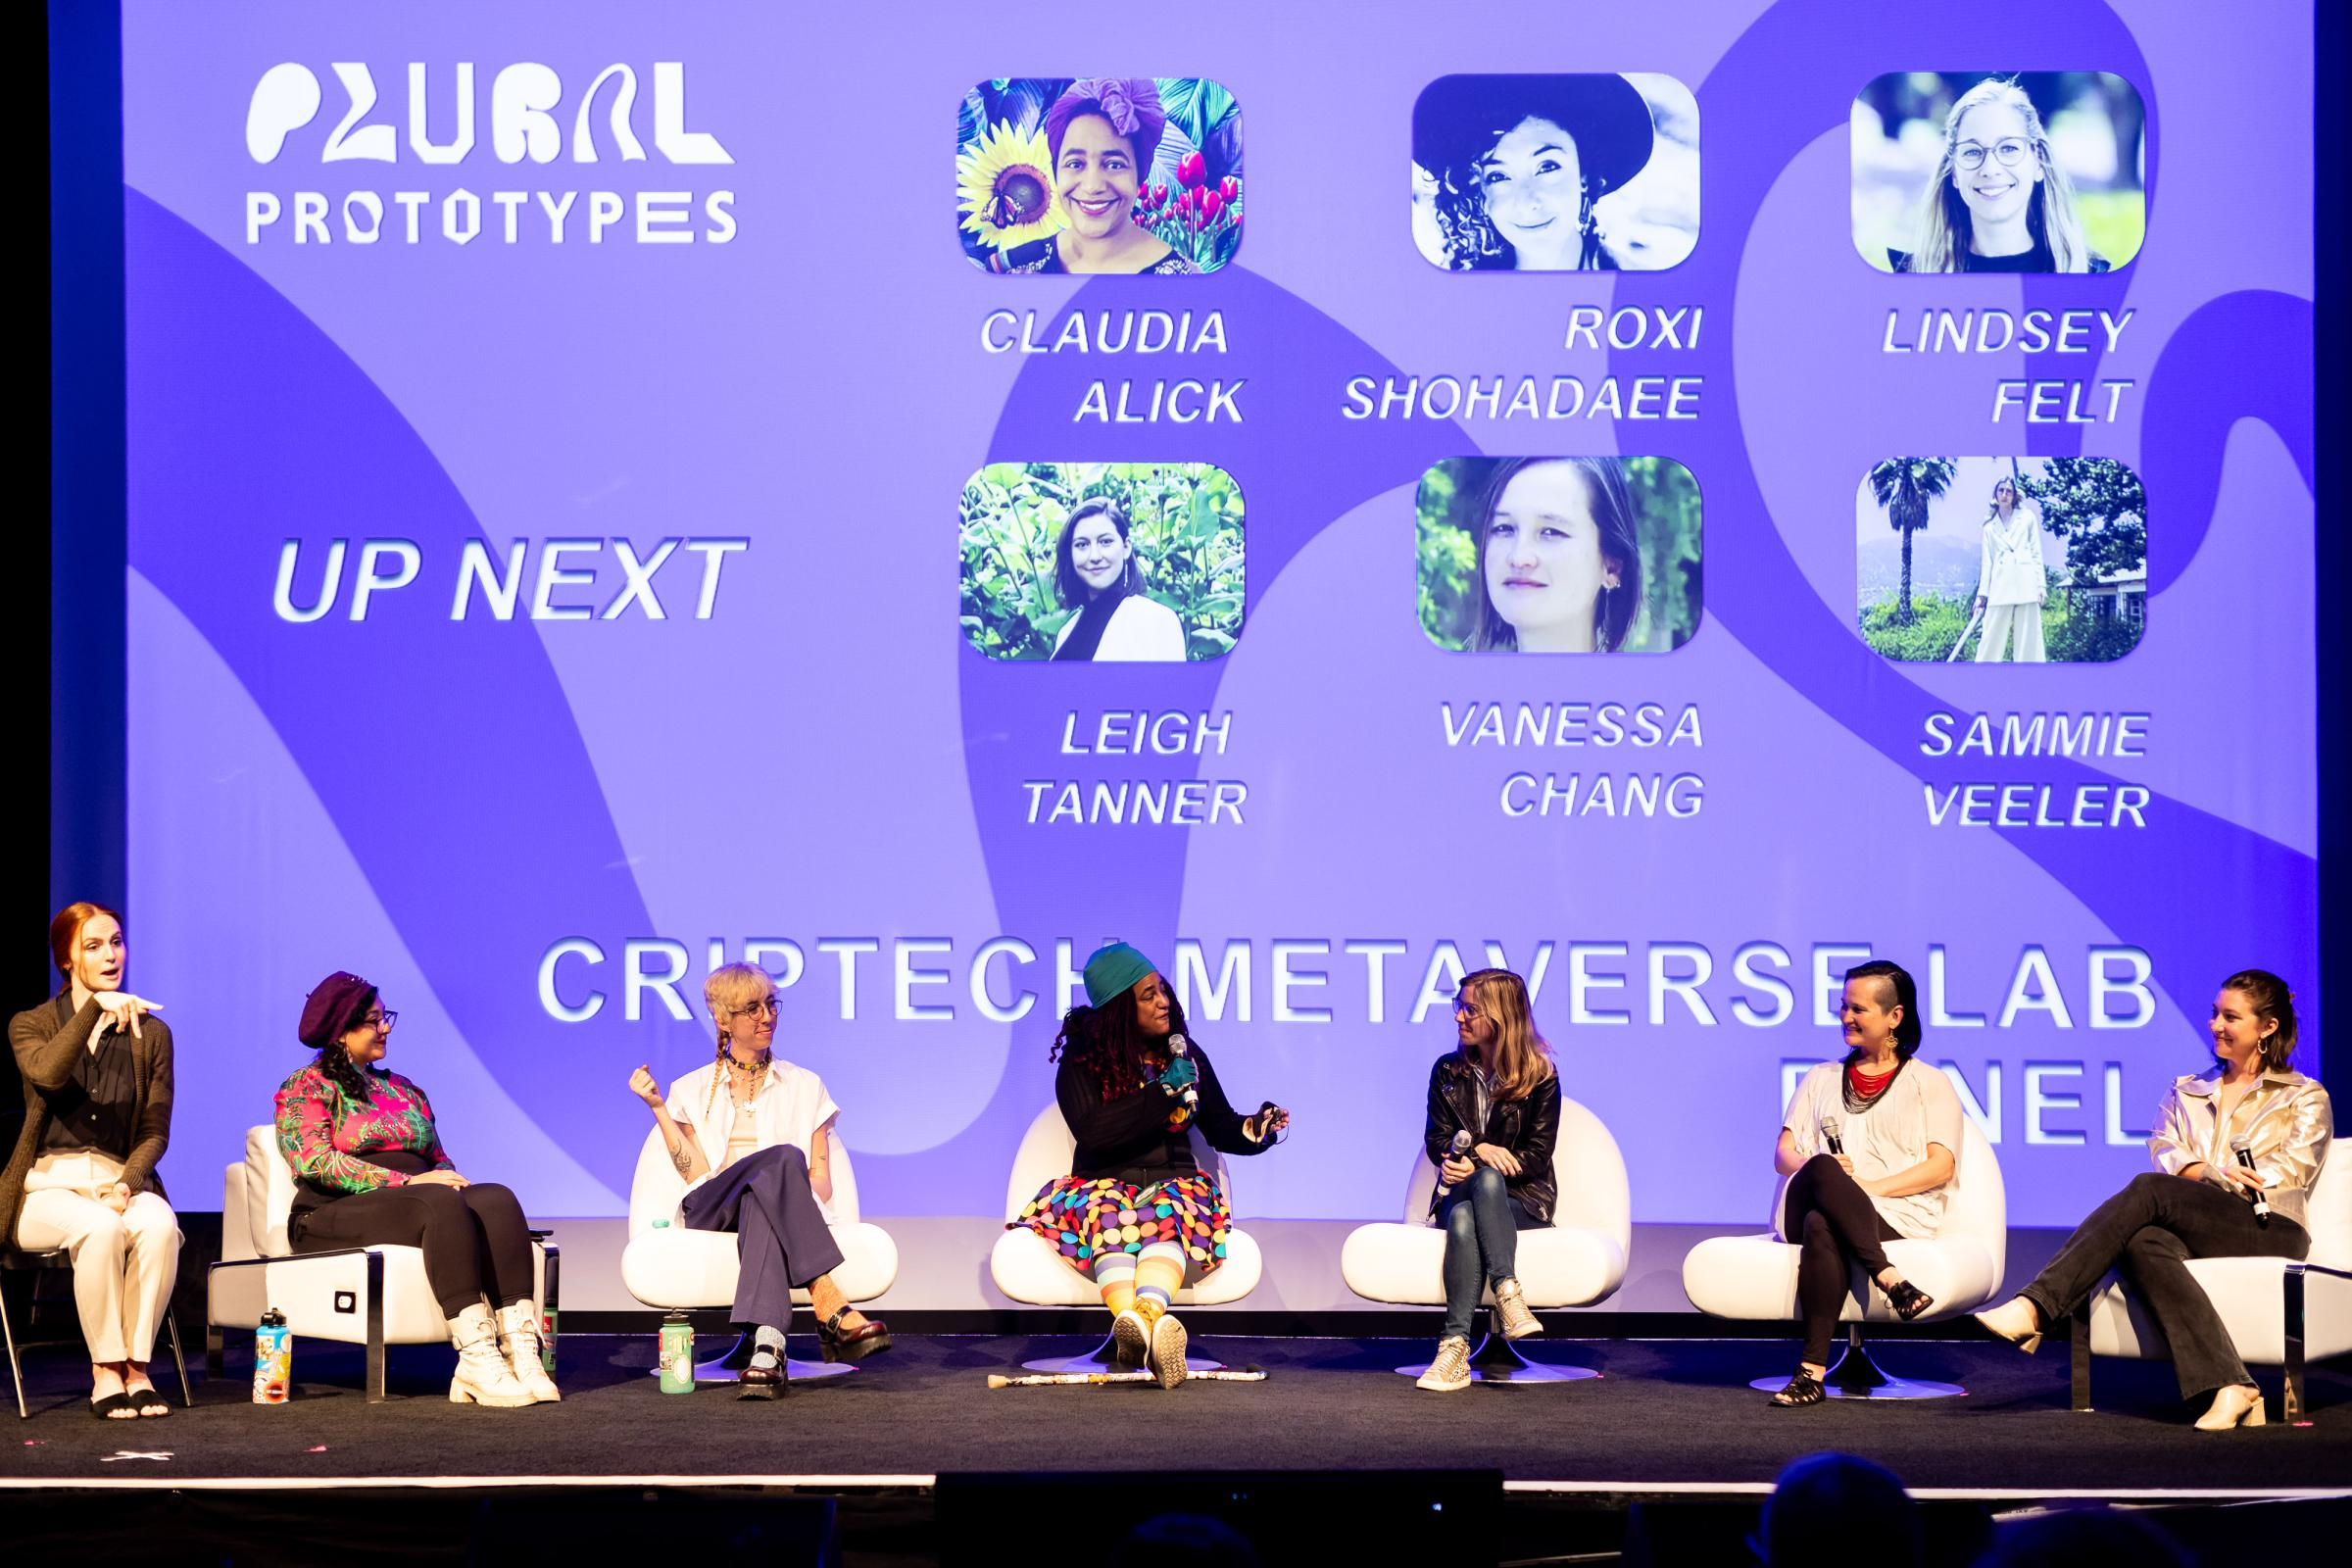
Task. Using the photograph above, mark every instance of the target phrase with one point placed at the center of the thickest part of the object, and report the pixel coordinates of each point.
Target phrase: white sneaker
(518, 1339)
(1451, 1371)
(1130, 1339)
(483, 1376)
(1166, 1352)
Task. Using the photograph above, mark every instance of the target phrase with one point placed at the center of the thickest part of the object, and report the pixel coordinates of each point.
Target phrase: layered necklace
(1862, 1089)
(744, 1083)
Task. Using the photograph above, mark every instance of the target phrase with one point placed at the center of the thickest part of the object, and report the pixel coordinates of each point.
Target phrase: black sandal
(104, 1410)
(1802, 1388)
(1907, 1300)
(146, 1400)
(837, 1343)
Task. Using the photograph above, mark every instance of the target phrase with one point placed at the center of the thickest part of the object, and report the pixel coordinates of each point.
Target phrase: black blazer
(1529, 1128)
(1129, 1138)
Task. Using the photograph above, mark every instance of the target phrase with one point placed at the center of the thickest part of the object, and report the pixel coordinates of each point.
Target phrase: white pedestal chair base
(728, 1366)
(1498, 1360)
(1855, 1376)
(1030, 1269)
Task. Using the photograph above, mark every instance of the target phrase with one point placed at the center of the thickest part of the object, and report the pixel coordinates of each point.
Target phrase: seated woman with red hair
(97, 1071)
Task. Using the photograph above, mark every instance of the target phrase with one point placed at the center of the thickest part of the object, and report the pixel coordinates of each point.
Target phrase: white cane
(1975, 616)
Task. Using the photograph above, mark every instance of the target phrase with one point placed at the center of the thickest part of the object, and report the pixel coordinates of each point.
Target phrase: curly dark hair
(343, 1072)
(1110, 1045)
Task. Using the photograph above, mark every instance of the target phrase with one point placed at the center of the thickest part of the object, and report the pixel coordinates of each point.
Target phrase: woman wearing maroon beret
(370, 1171)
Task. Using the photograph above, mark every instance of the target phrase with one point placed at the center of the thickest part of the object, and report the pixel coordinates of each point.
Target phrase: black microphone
(1830, 1126)
(1177, 1047)
(1459, 1148)
(2244, 1150)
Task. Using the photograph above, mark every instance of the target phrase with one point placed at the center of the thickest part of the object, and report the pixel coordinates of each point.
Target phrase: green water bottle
(677, 1355)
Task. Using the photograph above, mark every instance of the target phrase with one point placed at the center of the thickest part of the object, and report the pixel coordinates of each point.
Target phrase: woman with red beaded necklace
(1869, 1148)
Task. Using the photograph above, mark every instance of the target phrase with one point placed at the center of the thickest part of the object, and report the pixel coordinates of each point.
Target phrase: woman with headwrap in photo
(1102, 132)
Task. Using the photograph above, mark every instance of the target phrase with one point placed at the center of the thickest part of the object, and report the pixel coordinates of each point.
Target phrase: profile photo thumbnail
(2001, 560)
(2023, 171)
(1560, 555)
(1556, 173)
(1103, 562)
(1118, 174)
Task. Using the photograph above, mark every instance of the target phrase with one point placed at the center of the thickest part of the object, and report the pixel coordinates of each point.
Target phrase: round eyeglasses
(2009, 151)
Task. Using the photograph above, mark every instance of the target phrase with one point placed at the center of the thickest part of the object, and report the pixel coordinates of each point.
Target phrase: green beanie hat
(1112, 969)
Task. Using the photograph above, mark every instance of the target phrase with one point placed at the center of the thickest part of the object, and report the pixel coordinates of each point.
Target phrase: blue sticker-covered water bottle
(272, 1360)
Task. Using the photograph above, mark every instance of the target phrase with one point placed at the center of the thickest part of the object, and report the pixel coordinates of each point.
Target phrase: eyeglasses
(763, 1008)
(383, 1019)
(2010, 150)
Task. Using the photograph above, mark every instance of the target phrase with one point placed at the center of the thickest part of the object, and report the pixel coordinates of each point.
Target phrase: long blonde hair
(1519, 1059)
(1942, 245)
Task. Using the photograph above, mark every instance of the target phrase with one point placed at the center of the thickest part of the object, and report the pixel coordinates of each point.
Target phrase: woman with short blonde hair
(753, 1136)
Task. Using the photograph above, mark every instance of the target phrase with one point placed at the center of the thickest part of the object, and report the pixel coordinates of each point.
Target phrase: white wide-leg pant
(1998, 620)
(123, 1264)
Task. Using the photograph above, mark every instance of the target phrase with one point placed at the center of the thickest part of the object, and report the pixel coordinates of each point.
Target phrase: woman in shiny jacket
(2203, 1200)
(1492, 1122)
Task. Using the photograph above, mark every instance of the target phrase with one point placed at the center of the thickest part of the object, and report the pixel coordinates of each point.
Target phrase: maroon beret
(333, 1007)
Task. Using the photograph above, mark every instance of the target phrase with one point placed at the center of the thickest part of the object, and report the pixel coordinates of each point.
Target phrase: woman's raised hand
(122, 1010)
(642, 1085)
(1501, 1158)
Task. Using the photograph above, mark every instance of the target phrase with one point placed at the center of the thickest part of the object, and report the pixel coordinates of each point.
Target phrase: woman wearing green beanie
(1137, 1213)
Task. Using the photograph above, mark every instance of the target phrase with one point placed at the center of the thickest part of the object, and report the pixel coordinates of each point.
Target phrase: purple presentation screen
(619, 489)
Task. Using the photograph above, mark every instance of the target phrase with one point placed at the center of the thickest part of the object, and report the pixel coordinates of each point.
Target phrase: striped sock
(1160, 1269)
(1114, 1277)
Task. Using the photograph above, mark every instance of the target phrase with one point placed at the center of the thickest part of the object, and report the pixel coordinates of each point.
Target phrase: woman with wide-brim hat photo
(1512, 166)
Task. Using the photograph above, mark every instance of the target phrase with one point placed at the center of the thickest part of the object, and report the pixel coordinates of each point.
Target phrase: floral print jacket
(328, 1139)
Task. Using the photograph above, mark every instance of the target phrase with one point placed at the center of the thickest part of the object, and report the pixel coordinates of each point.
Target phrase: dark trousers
(476, 1241)
(1482, 1222)
(1832, 1219)
(781, 1238)
(2147, 1233)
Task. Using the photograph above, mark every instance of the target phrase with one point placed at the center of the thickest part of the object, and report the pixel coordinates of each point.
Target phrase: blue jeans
(1482, 1222)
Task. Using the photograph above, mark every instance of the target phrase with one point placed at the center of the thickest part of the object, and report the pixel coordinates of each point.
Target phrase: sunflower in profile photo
(1005, 189)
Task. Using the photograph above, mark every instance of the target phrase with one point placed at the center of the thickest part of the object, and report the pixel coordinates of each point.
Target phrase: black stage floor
(1667, 1417)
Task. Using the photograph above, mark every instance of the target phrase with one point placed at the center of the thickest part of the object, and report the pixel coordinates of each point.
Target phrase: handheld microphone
(1459, 1148)
(1830, 1127)
(2244, 1150)
(1178, 1045)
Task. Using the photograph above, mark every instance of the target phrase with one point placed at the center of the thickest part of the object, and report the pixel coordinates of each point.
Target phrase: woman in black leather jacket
(1494, 1119)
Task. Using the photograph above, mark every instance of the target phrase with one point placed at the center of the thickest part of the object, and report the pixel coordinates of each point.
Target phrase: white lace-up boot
(518, 1338)
(483, 1376)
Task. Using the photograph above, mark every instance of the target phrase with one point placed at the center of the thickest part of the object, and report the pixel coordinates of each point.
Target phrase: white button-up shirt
(790, 1108)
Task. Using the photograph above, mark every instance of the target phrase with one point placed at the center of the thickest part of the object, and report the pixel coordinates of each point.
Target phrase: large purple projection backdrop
(501, 817)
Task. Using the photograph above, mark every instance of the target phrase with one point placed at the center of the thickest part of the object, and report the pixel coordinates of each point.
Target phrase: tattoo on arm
(679, 1158)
